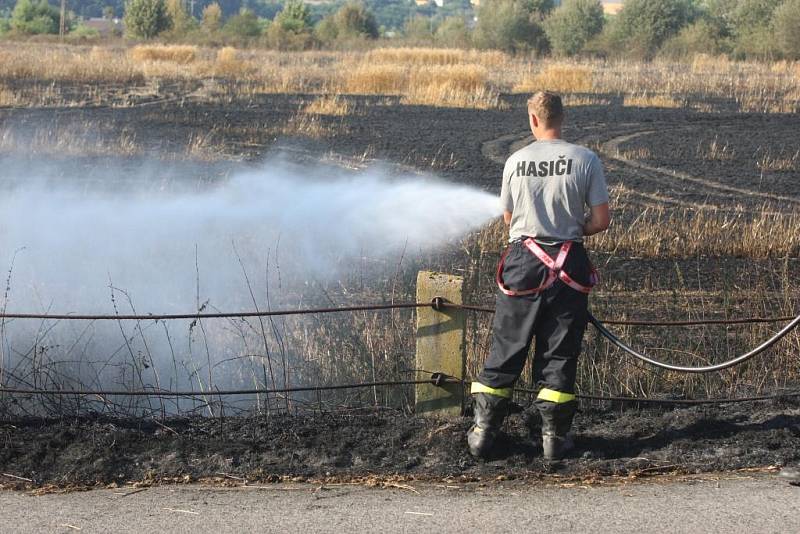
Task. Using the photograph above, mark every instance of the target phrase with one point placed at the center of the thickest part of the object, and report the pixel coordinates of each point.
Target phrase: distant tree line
(643, 29)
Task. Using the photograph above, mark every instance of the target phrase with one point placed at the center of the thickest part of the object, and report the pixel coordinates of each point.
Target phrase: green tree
(182, 21)
(291, 29)
(146, 18)
(352, 21)
(752, 28)
(719, 15)
(573, 24)
(212, 17)
(419, 28)
(5, 26)
(749, 13)
(786, 22)
(35, 17)
(453, 32)
(700, 37)
(326, 30)
(295, 17)
(245, 25)
(509, 25)
(644, 25)
(108, 12)
(82, 31)
(540, 9)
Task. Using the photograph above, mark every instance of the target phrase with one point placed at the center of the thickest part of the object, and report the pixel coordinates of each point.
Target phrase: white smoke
(170, 241)
(74, 242)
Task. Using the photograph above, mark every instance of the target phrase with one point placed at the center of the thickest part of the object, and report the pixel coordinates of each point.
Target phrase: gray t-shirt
(548, 186)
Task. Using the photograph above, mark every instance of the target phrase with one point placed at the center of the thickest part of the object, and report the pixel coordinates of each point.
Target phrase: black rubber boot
(791, 475)
(490, 411)
(556, 423)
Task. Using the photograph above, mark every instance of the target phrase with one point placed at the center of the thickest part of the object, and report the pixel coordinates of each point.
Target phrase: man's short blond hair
(547, 107)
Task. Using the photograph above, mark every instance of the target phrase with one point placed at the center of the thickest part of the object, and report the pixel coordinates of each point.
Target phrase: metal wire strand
(222, 315)
(208, 393)
(436, 379)
(367, 307)
(644, 322)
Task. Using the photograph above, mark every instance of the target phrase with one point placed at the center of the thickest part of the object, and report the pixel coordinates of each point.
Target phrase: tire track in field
(611, 149)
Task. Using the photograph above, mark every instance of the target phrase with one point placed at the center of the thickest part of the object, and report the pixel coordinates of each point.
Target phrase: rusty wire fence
(357, 372)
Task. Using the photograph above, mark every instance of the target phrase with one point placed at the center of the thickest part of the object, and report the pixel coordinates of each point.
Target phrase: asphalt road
(759, 503)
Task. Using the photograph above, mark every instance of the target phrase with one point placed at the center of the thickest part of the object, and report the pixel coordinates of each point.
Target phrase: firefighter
(554, 193)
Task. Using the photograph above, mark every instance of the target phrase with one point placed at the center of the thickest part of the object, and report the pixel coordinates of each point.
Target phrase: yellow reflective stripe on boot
(477, 387)
(552, 395)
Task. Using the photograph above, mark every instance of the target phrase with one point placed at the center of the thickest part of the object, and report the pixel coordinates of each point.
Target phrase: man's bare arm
(507, 217)
(599, 219)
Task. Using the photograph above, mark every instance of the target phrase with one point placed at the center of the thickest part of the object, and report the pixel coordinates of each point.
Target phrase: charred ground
(317, 446)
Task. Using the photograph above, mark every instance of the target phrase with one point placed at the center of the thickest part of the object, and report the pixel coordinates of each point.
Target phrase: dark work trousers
(556, 318)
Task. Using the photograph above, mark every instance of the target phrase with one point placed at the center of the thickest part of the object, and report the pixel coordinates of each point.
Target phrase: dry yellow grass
(46, 63)
(705, 64)
(440, 77)
(182, 54)
(703, 107)
(770, 163)
(582, 100)
(435, 56)
(205, 146)
(755, 103)
(376, 79)
(42, 95)
(715, 150)
(562, 78)
(228, 63)
(464, 85)
(329, 105)
(786, 67)
(652, 101)
(9, 98)
(464, 77)
(668, 233)
(75, 139)
(636, 153)
(753, 86)
(310, 126)
(450, 95)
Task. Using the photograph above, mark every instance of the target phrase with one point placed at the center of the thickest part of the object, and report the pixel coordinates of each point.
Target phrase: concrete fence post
(440, 345)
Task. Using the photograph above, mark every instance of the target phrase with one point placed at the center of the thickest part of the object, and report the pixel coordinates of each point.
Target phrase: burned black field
(661, 159)
(628, 442)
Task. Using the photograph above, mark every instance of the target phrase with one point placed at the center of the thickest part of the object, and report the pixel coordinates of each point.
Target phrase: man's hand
(507, 217)
(599, 219)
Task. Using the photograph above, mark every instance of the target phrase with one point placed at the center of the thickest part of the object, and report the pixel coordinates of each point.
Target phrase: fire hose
(699, 369)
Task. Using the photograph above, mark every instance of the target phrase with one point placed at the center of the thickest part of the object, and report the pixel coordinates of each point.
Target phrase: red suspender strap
(544, 257)
(551, 278)
(554, 266)
(567, 279)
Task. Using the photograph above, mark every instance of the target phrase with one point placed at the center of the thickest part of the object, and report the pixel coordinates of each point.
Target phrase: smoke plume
(74, 240)
(155, 237)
